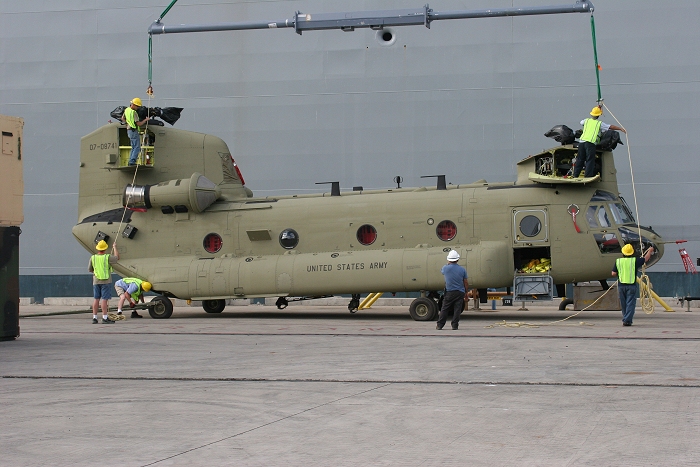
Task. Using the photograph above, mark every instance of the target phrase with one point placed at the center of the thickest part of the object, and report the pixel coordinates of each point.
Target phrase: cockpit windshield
(621, 214)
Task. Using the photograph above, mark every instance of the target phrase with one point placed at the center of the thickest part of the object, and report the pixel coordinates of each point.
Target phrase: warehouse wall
(468, 98)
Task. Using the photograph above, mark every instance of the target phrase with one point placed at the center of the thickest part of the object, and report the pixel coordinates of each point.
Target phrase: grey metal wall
(466, 98)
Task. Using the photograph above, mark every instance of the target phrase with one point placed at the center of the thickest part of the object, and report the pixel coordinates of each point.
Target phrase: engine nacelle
(195, 194)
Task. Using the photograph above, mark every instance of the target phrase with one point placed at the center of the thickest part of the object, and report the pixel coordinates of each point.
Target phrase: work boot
(107, 321)
(135, 315)
(455, 327)
(439, 326)
(94, 320)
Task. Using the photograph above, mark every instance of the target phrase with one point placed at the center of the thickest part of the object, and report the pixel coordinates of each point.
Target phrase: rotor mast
(377, 20)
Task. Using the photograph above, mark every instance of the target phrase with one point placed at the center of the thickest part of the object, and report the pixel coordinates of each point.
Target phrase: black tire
(160, 308)
(564, 303)
(214, 306)
(423, 309)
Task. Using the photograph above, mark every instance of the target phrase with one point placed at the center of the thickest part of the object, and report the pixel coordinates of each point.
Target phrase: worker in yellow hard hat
(592, 129)
(132, 289)
(131, 118)
(101, 269)
(626, 271)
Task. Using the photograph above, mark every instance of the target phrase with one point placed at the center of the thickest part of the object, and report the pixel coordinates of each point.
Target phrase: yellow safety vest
(591, 131)
(101, 267)
(626, 270)
(130, 280)
(131, 117)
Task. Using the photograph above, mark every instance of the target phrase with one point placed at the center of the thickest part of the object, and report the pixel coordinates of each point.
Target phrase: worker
(626, 270)
(101, 268)
(132, 289)
(456, 287)
(131, 118)
(592, 129)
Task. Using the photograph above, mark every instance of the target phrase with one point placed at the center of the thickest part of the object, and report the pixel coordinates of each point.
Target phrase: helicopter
(193, 229)
(187, 223)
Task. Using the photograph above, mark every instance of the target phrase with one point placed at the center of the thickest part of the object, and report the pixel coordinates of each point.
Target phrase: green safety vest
(101, 267)
(591, 131)
(626, 270)
(130, 280)
(131, 118)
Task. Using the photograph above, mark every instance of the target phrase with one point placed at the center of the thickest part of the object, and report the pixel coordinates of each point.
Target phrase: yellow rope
(115, 317)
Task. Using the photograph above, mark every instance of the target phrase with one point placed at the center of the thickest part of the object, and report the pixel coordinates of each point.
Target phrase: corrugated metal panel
(468, 98)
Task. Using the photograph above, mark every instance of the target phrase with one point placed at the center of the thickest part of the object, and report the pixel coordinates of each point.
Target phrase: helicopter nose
(650, 239)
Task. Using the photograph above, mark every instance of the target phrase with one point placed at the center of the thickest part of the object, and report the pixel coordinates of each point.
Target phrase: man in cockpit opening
(592, 129)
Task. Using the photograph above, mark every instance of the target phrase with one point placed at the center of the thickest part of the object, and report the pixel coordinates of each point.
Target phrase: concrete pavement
(255, 386)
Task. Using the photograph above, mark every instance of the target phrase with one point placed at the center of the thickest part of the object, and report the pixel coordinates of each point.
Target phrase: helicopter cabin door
(530, 226)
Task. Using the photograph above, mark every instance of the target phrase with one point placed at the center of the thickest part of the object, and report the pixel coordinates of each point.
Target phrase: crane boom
(349, 21)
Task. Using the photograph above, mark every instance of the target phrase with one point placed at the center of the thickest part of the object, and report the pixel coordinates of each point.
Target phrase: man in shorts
(101, 269)
(132, 289)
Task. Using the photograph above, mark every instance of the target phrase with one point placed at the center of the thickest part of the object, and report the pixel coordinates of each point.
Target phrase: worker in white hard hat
(592, 129)
(456, 287)
(626, 271)
(131, 118)
(101, 269)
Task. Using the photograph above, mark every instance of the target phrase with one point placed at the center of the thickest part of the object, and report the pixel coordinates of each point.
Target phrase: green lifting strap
(150, 46)
(595, 57)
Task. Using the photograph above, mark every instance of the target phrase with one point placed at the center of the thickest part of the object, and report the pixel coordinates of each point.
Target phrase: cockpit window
(620, 214)
(607, 243)
(597, 216)
(627, 209)
(601, 195)
(590, 216)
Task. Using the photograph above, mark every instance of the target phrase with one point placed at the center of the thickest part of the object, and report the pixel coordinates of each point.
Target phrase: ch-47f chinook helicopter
(190, 226)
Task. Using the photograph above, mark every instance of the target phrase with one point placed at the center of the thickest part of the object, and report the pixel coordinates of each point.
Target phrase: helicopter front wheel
(160, 307)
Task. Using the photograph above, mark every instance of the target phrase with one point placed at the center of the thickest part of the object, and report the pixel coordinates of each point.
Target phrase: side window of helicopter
(603, 217)
(597, 216)
(590, 216)
(607, 243)
(289, 238)
(601, 195)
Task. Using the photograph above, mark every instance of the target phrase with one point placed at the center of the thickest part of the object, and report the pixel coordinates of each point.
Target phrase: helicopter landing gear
(423, 309)
(214, 306)
(354, 303)
(160, 307)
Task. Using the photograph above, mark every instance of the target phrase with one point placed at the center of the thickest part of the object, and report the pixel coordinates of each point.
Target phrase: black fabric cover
(562, 134)
(609, 140)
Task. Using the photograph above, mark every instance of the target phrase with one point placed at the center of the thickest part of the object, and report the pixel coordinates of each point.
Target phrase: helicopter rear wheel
(160, 307)
(214, 306)
(423, 309)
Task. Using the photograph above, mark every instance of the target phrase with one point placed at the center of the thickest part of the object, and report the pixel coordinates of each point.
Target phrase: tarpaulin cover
(562, 134)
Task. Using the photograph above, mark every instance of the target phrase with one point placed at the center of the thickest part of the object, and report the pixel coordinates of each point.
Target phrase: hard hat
(101, 245)
(146, 286)
(136, 101)
(628, 250)
(452, 256)
(595, 112)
